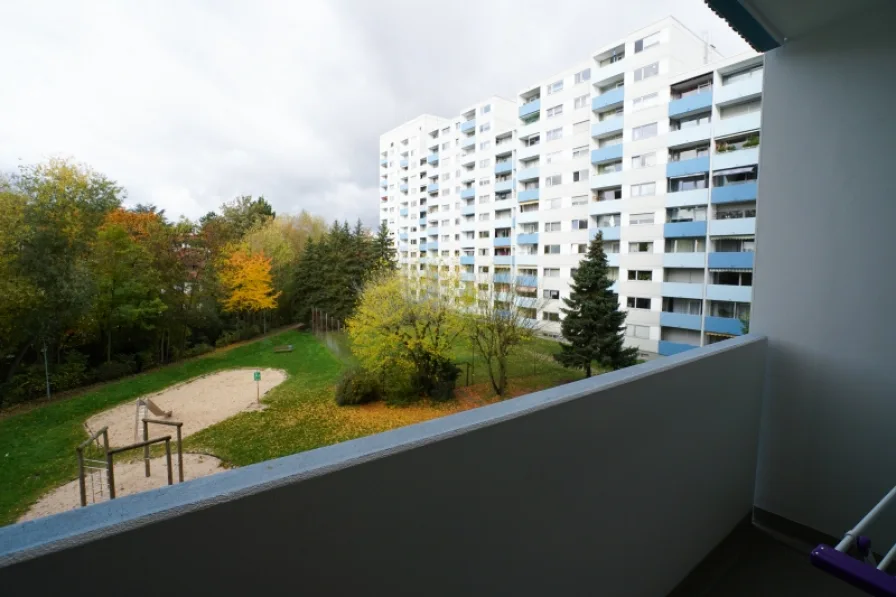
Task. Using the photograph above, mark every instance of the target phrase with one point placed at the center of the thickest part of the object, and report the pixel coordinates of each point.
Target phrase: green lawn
(37, 447)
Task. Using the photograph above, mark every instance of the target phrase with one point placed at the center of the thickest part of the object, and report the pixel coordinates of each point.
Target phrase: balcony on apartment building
(609, 153)
(608, 99)
(432, 158)
(504, 186)
(467, 193)
(403, 163)
(504, 167)
(467, 143)
(609, 65)
(402, 236)
(432, 188)
(691, 97)
(530, 107)
(734, 190)
(609, 123)
(468, 125)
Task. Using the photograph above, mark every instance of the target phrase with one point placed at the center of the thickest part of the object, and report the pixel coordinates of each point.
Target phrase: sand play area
(198, 403)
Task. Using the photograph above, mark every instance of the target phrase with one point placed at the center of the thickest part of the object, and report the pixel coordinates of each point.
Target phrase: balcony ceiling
(767, 24)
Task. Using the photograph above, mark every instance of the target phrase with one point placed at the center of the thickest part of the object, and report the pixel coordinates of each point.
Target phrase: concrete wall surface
(615, 485)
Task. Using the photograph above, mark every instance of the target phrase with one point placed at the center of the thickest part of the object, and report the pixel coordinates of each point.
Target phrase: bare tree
(502, 316)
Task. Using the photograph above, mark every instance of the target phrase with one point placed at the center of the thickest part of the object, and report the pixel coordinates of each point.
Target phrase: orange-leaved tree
(246, 278)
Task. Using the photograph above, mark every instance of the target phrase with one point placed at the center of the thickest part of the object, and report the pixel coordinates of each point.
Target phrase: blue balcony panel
(422, 221)
(530, 108)
(384, 162)
(527, 239)
(608, 99)
(527, 280)
(528, 174)
(503, 259)
(467, 259)
(504, 186)
(683, 290)
(403, 163)
(503, 167)
(734, 193)
(402, 246)
(403, 211)
(692, 104)
(467, 143)
(528, 195)
(667, 349)
(467, 193)
(684, 229)
(610, 153)
(383, 184)
(688, 167)
(502, 241)
(724, 325)
(607, 127)
(726, 292)
(468, 125)
(680, 320)
(402, 236)
(467, 277)
(422, 246)
(609, 233)
(502, 278)
(403, 188)
(687, 198)
(467, 210)
(613, 259)
(688, 260)
(432, 187)
(731, 260)
(432, 158)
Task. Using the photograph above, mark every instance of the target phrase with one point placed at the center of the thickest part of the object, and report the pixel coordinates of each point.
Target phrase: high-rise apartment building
(651, 142)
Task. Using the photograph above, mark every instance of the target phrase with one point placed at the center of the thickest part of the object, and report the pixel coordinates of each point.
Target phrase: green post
(257, 377)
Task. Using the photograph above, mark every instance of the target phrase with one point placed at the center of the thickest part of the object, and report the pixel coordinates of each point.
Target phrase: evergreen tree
(594, 326)
(384, 247)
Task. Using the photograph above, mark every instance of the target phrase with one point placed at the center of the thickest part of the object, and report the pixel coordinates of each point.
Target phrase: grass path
(37, 447)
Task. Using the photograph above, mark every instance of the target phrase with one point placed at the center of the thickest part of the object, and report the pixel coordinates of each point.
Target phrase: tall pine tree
(384, 247)
(594, 326)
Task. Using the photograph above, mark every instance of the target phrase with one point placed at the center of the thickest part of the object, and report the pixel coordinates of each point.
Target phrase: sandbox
(198, 403)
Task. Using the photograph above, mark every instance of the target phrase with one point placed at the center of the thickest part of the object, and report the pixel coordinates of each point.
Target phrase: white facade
(592, 150)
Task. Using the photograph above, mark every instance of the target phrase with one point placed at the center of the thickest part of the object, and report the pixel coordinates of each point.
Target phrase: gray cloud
(190, 104)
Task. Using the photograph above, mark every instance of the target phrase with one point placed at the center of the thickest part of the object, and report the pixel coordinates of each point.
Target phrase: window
(485, 163)
(578, 248)
(643, 189)
(580, 200)
(648, 42)
(583, 76)
(688, 183)
(640, 275)
(644, 160)
(484, 217)
(485, 127)
(580, 102)
(645, 72)
(580, 175)
(550, 316)
(555, 111)
(486, 109)
(755, 71)
(732, 278)
(552, 272)
(554, 134)
(580, 127)
(607, 220)
(483, 269)
(729, 309)
(636, 219)
(638, 303)
(685, 245)
(551, 157)
(485, 234)
(610, 168)
(485, 145)
(446, 223)
(446, 192)
(555, 203)
(690, 154)
(552, 249)
(691, 121)
(484, 182)
(686, 214)
(611, 246)
(740, 109)
(550, 294)
(645, 101)
(637, 331)
(735, 211)
(640, 247)
(580, 152)
(580, 224)
(550, 181)
(644, 132)
(552, 226)
(555, 87)
(485, 198)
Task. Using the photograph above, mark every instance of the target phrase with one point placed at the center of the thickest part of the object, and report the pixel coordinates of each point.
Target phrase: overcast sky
(190, 103)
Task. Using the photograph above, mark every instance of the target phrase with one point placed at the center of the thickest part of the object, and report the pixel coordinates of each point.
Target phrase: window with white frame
(640, 275)
(555, 87)
(640, 247)
(578, 248)
(580, 102)
(552, 226)
(485, 163)
(554, 134)
(645, 72)
(484, 182)
(446, 223)
(446, 192)
(580, 175)
(485, 127)
(484, 217)
(555, 111)
(648, 42)
(637, 331)
(485, 145)
(580, 152)
(552, 272)
(485, 198)
(644, 160)
(446, 145)
(550, 316)
(555, 203)
(486, 109)
(550, 294)
(645, 218)
(643, 189)
(552, 157)
(580, 127)
(551, 181)
(644, 131)
(484, 252)
(582, 76)
(580, 224)
(580, 200)
(634, 302)
(552, 249)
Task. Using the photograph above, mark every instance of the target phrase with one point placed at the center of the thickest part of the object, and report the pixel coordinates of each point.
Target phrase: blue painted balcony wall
(403, 188)
(468, 125)
(467, 193)
(688, 167)
(734, 193)
(692, 104)
(724, 325)
(528, 109)
(432, 158)
(402, 236)
(684, 229)
(527, 280)
(609, 233)
(680, 320)
(608, 99)
(502, 241)
(504, 186)
(432, 187)
(528, 174)
(527, 239)
(467, 259)
(607, 127)
(467, 210)
(467, 277)
(403, 163)
(606, 154)
(528, 195)
(731, 260)
(403, 211)
(503, 167)
(503, 259)
(667, 349)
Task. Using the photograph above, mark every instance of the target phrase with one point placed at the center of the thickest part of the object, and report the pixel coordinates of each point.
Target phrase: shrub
(195, 351)
(121, 366)
(227, 338)
(146, 359)
(357, 386)
(70, 374)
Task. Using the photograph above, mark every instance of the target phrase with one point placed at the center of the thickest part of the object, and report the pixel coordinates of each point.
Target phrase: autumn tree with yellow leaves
(247, 282)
